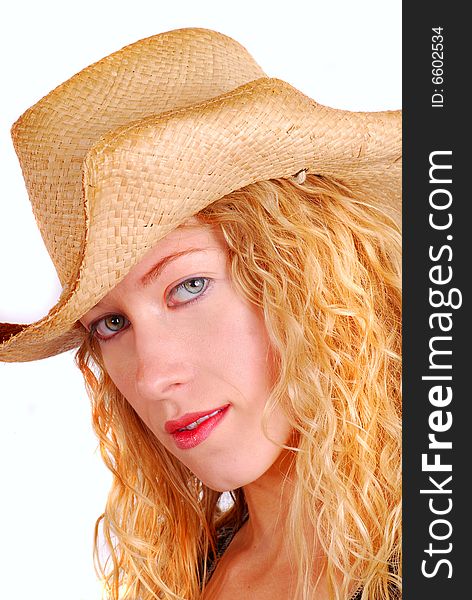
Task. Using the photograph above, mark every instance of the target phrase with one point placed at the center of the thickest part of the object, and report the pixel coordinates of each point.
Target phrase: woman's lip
(185, 439)
(173, 426)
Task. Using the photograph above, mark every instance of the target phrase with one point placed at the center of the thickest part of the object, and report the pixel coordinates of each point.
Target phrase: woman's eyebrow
(157, 269)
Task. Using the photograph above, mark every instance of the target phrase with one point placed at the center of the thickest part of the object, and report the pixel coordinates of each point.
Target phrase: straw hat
(132, 146)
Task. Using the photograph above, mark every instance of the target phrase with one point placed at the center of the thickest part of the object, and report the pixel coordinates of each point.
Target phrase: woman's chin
(227, 479)
(221, 482)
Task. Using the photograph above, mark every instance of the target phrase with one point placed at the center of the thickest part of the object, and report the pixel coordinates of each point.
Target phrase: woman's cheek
(122, 373)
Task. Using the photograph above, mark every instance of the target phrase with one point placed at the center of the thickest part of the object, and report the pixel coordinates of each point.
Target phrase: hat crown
(162, 73)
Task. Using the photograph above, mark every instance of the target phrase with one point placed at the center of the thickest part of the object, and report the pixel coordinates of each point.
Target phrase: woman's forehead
(191, 236)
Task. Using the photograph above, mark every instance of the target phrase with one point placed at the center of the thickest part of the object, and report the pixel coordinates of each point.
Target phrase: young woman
(230, 256)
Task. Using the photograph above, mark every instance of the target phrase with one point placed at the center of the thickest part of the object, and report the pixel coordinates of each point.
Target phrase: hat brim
(143, 180)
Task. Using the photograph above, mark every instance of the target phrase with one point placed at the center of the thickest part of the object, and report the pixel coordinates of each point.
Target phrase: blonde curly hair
(325, 269)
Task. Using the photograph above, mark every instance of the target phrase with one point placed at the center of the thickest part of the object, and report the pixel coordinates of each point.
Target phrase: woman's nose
(163, 368)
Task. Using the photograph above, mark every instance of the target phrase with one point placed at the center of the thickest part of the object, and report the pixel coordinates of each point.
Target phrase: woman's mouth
(194, 428)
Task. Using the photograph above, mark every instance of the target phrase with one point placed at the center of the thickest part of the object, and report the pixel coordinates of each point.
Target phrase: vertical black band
(437, 255)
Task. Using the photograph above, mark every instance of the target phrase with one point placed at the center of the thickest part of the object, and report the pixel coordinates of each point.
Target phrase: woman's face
(193, 358)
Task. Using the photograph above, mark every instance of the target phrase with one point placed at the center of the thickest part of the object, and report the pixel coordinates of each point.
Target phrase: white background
(346, 54)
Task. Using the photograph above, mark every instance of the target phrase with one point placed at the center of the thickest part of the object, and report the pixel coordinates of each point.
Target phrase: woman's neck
(268, 499)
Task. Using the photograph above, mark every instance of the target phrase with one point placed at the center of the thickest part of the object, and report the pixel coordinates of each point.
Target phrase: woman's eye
(109, 326)
(188, 290)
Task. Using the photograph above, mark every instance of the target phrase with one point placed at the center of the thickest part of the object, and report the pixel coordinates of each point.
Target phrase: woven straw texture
(132, 146)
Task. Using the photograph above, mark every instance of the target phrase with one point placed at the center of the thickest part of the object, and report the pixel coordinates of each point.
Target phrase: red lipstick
(194, 428)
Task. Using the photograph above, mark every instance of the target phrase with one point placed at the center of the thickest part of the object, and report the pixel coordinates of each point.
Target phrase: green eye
(194, 286)
(188, 290)
(106, 328)
(114, 322)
